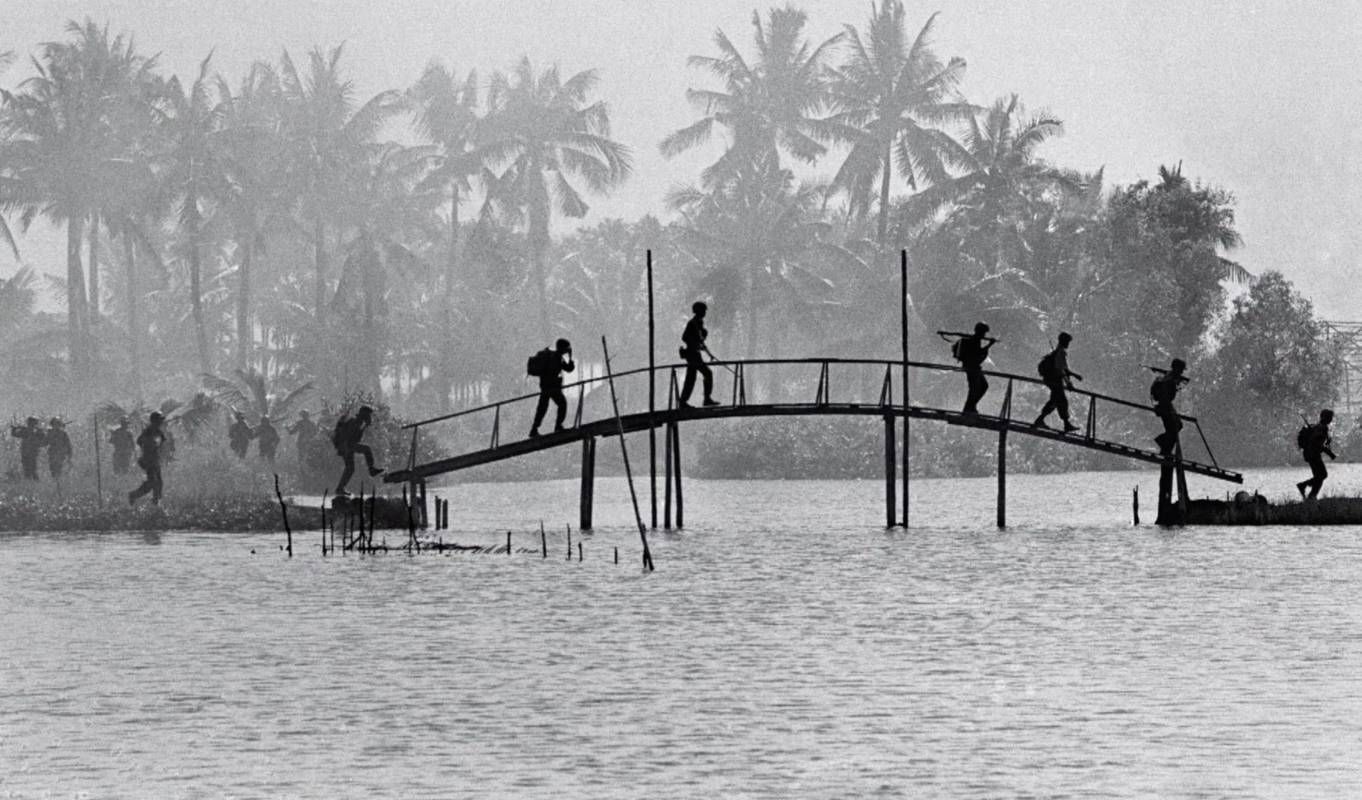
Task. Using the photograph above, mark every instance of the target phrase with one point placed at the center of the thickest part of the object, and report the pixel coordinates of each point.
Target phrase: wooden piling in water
(425, 521)
(569, 544)
(587, 493)
(543, 539)
(890, 478)
(283, 508)
(667, 480)
(1135, 504)
(676, 475)
(579, 552)
(508, 543)
(1002, 478)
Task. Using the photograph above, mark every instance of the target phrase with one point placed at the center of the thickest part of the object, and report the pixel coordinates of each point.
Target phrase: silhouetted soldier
(972, 352)
(267, 439)
(239, 434)
(306, 432)
(150, 441)
(1315, 443)
(122, 441)
(349, 432)
(1054, 371)
(1163, 391)
(58, 448)
(693, 350)
(548, 366)
(31, 440)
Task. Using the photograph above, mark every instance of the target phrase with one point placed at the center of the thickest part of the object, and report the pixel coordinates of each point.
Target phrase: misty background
(343, 202)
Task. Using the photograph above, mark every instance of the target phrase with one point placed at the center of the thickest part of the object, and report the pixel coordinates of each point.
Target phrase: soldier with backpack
(548, 366)
(1314, 442)
(972, 351)
(1163, 391)
(1054, 371)
(346, 437)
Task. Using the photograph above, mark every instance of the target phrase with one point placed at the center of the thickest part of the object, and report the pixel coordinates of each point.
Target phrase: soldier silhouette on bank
(267, 439)
(122, 441)
(150, 442)
(1054, 371)
(305, 431)
(31, 438)
(693, 350)
(349, 432)
(548, 366)
(972, 351)
(1163, 391)
(239, 434)
(1315, 444)
(58, 448)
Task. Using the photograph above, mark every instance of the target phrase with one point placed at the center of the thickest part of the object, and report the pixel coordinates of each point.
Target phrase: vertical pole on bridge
(667, 479)
(890, 479)
(1002, 457)
(903, 328)
(652, 395)
(588, 489)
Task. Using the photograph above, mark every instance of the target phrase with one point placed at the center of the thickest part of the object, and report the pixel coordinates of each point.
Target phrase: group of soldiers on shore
(154, 446)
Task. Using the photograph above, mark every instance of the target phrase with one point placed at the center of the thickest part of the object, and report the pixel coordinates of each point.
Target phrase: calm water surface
(787, 646)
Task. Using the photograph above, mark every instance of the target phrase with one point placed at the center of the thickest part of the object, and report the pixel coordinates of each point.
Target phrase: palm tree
(253, 156)
(249, 391)
(542, 133)
(769, 104)
(327, 135)
(62, 153)
(891, 94)
(194, 177)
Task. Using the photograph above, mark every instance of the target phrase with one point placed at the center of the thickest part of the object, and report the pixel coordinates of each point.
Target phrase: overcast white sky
(1258, 96)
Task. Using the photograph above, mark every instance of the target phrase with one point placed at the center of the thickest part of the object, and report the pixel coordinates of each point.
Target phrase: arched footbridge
(804, 388)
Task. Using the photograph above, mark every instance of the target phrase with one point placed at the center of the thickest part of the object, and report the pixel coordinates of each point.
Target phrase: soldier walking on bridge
(972, 351)
(548, 366)
(693, 350)
(1163, 390)
(1054, 371)
(346, 437)
(1314, 443)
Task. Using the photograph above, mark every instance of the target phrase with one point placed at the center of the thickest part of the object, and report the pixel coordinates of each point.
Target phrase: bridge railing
(805, 382)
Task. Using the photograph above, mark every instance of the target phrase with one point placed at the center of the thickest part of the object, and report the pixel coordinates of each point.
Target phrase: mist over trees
(416, 244)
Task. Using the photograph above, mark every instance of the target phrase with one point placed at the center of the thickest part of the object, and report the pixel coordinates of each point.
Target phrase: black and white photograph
(612, 399)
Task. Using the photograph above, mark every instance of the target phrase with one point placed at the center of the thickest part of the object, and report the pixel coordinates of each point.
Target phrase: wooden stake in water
(543, 539)
(283, 507)
(624, 451)
(99, 470)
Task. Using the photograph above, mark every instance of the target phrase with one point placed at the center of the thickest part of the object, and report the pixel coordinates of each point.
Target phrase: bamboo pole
(624, 451)
(890, 479)
(283, 508)
(903, 328)
(676, 475)
(652, 394)
(99, 469)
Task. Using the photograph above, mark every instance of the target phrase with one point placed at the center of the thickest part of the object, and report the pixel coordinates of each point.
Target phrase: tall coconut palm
(892, 95)
(194, 178)
(771, 103)
(543, 133)
(256, 193)
(327, 134)
(61, 157)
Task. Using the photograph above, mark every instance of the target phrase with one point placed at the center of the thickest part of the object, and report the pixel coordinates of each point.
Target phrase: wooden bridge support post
(588, 490)
(425, 518)
(890, 477)
(667, 476)
(1002, 478)
(676, 474)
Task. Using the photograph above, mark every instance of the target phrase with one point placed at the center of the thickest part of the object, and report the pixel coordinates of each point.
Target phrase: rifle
(945, 335)
(1162, 371)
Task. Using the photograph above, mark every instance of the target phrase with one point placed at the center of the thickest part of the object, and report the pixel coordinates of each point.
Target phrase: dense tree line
(403, 245)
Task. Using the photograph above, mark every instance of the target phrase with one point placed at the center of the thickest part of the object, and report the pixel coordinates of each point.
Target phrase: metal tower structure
(1347, 336)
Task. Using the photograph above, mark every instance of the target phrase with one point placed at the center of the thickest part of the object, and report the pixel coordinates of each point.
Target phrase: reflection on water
(787, 646)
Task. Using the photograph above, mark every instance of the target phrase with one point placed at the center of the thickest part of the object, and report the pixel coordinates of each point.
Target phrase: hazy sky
(1257, 96)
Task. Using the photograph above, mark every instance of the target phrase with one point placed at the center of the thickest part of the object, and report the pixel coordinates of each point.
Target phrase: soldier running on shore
(58, 448)
(693, 350)
(267, 439)
(239, 434)
(1163, 391)
(122, 441)
(31, 440)
(1054, 371)
(150, 441)
(1315, 444)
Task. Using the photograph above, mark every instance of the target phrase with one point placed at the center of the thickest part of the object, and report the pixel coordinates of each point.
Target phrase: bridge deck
(644, 420)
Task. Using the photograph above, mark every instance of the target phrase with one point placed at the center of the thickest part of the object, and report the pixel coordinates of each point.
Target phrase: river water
(787, 646)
